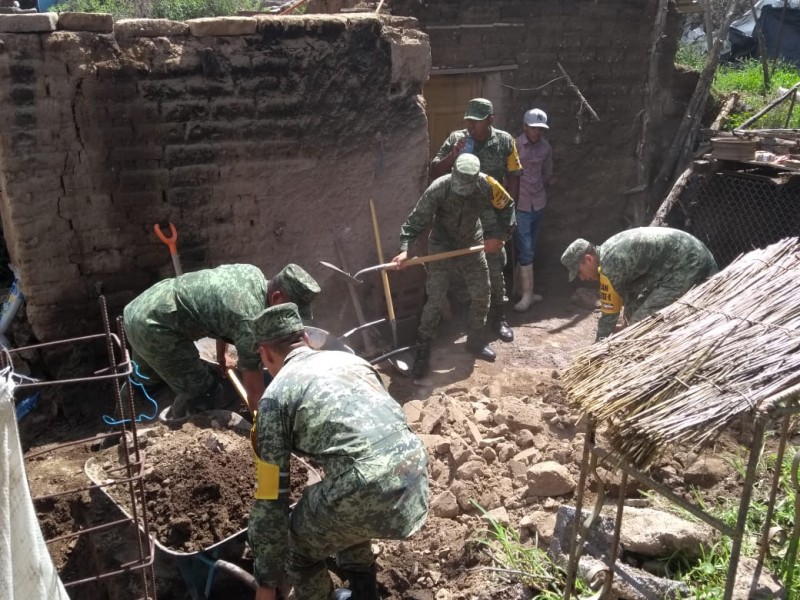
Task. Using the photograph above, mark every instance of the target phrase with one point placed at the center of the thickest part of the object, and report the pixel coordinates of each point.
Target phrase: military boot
(422, 361)
(364, 585)
(500, 325)
(478, 347)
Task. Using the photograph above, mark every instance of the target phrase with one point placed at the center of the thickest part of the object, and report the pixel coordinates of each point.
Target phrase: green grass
(747, 78)
(525, 563)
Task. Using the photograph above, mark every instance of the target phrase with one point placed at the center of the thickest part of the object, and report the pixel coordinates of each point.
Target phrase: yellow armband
(268, 480)
(610, 300)
(500, 197)
(512, 162)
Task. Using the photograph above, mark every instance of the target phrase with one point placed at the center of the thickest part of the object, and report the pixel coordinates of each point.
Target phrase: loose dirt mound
(199, 482)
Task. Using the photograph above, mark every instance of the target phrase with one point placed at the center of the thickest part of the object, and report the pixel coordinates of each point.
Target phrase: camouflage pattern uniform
(455, 223)
(332, 407)
(500, 160)
(650, 268)
(163, 322)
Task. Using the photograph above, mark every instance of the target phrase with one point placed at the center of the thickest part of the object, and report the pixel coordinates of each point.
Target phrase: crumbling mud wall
(261, 139)
(515, 47)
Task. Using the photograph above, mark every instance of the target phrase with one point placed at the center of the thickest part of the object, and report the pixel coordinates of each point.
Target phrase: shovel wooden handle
(418, 260)
(238, 387)
(387, 291)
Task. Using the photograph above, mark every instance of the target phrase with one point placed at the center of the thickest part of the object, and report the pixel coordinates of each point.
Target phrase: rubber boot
(364, 585)
(500, 325)
(526, 286)
(536, 297)
(478, 347)
(422, 361)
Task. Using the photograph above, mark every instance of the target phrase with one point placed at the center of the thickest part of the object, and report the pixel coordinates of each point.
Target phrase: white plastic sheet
(26, 569)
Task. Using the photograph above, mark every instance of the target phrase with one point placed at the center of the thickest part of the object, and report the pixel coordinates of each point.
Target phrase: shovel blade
(340, 271)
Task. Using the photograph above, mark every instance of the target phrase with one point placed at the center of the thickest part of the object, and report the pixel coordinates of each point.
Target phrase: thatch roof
(728, 347)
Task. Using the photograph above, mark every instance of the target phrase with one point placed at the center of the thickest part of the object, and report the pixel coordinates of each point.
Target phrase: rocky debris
(499, 515)
(748, 587)
(518, 415)
(629, 582)
(538, 525)
(549, 478)
(445, 505)
(656, 533)
(706, 472)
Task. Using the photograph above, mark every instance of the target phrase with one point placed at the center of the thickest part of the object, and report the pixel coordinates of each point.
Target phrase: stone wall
(605, 48)
(261, 139)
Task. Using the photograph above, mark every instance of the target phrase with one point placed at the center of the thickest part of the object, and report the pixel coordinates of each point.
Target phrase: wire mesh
(733, 212)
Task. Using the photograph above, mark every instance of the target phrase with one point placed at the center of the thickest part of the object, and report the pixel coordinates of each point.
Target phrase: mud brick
(180, 112)
(77, 21)
(126, 28)
(193, 176)
(222, 26)
(178, 156)
(189, 196)
(232, 109)
(153, 179)
(28, 23)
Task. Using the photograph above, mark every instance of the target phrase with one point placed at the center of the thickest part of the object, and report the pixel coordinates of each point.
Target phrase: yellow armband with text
(512, 162)
(610, 300)
(500, 197)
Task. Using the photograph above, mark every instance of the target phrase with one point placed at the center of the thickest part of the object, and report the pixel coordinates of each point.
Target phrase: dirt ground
(469, 414)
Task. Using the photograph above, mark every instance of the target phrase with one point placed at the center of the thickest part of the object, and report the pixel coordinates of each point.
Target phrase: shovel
(172, 244)
(417, 260)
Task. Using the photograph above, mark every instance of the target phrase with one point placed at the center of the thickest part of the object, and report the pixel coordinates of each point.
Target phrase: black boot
(500, 325)
(364, 586)
(478, 347)
(422, 361)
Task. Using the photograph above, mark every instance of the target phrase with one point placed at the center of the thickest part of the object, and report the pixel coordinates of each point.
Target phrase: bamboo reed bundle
(728, 347)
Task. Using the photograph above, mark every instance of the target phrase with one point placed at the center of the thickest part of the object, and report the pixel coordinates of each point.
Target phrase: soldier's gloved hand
(492, 245)
(400, 259)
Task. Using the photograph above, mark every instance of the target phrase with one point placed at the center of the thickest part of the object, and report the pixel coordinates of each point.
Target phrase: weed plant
(706, 576)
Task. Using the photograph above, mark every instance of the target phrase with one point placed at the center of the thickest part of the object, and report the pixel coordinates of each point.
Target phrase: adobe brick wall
(261, 139)
(605, 47)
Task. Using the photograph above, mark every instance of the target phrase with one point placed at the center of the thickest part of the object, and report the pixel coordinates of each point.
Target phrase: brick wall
(261, 139)
(605, 47)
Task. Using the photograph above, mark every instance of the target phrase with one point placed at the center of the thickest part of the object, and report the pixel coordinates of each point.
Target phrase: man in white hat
(536, 157)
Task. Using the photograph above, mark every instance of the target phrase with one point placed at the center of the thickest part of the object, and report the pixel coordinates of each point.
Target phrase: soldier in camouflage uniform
(642, 269)
(331, 407)
(163, 322)
(497, 151)
(451, 206)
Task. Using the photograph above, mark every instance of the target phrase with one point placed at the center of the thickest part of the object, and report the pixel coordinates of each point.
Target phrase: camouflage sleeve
(269, 518)
(447, 146)
(419, 219)
(246, 351)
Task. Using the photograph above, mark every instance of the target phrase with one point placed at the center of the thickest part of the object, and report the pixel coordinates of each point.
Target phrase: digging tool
(237, 385)
(368, 345)
(387, 291)
(172, 244)
(417, 260)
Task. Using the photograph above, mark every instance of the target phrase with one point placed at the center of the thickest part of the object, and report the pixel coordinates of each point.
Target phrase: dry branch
(727, 108)
(660, 219)
(584, 102)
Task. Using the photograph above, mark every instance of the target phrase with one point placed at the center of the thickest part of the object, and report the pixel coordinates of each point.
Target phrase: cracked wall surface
(261, 139)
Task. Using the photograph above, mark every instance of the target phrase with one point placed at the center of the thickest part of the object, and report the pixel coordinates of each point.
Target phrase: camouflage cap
(299, 286)
(465, 173)
(573, 256)
(479, 109)
(276, 322)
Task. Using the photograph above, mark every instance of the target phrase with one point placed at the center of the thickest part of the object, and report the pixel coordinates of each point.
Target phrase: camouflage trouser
(323, 525)
(160, 350)
(475, 273)
(648, 302)
(497, 262)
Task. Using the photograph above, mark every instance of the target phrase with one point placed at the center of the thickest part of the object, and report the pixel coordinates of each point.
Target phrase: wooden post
(762, 46)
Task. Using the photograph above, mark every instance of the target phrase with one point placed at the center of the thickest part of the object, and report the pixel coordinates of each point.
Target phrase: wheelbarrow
(198, 569)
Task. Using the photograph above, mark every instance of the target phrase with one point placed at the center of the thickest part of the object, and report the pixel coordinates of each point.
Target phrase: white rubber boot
(534, 297)
(526, 287)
